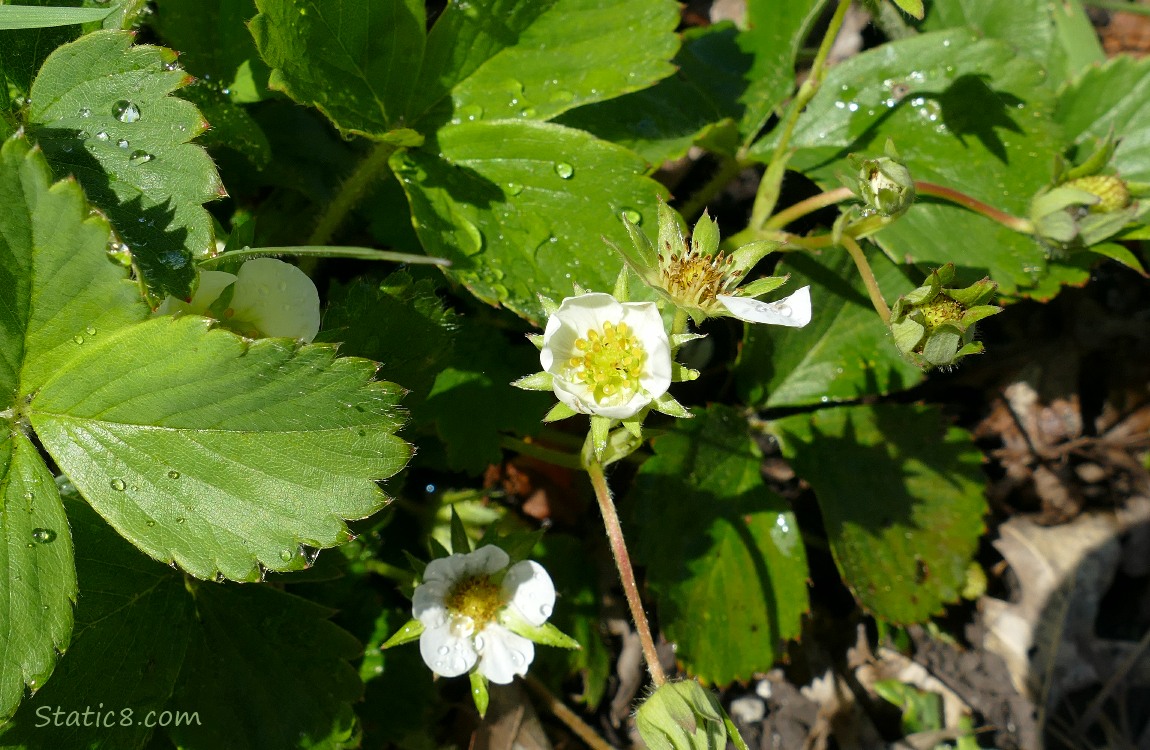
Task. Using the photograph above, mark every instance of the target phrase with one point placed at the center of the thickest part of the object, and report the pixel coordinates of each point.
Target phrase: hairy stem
(1017, 223)
(810, 205)
(768, 193)
(626, 572)
(876, 298)
(351, 191)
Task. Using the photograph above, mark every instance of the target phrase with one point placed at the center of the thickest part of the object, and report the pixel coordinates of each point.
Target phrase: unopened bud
(934, 326)
(682, 716)
(1112, 192)
(884, 184)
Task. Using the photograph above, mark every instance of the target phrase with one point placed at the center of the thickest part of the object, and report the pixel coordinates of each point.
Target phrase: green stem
(768, 193)
(810, 205)
(551, 456)
(626, 572)
(679, 324)
(857, 255)
(351, 191)
(1016, 223)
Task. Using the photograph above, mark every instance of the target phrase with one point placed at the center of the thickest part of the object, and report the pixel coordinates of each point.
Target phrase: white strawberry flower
(470, 603)
(793, 311)
(606, 358)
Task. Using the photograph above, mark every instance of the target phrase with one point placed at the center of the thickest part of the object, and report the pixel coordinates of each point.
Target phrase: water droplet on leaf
(102, 136)
(564, 170)
(173, 474)
(85, 112)
(90, 331)
(43, 536)
(140, 157)
(632, 215)
(119, 485)
(123, 143)
(125, 111)
(286, 555)
(514, 188)
(78, 339)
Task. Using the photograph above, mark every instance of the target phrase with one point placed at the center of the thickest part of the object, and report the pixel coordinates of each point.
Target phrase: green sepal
(942, 345)
(559, 411)
(642, 256)
(600, 428)
(765, 285)
(634, 425)
(911, 7)
(408, 633)
(975, 314)
(549, 305)
(536, 340)
(417, 565)
(705, 237)
(1119, 254)
(681, 373)
(907, 334)
(669, 406)
(517, 544)
(620, 444)
(622, 290)
(678, 339)
(746, 256)
(1093, 164)
(436, 549)
(978, 293)
(671, 240)
(1094, 228)
(578, 289)
(479, 692)
(682, 715)
(974, 347)
(545, 634)
(536, 381)
(460, 542)
(402, 137)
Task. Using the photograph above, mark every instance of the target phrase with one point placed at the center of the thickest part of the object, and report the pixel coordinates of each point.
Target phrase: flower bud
(884, 184)
(682, 716)
(1112, 193)
(934, 326)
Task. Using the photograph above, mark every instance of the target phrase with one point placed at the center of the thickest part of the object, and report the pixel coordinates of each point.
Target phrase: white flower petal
(530, 591)
(212, 285)
(446, 653)
(427, 603)
(503, 654)
(277, 298)
(487, 559)
(793, 311)
(589, 312)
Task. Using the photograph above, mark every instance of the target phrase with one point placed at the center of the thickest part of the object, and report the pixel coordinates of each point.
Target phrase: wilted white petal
(793, 311)
(446, 652)
(503, 654)
(276, 298)
(530, 591)
(212, 284)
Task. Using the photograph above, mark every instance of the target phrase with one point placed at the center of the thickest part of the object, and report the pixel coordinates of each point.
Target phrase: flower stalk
(626, 572)
(859, 257)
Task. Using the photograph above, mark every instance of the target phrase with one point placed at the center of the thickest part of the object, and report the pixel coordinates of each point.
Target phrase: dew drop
(173, 474)
(102, 136)
(632, 215)
(123, 143)
(286, 555)
(140, 157)
(516, 657)
(443, 650)
(181, 519)
(119, 485)
(471, 112)
(43, 536)
(479, 643)
(125, 111)
(78, 339)
(527, 112)
(29, 496)
(90, 331)
(151, 523)
(514, 188)
(564, 170)
(545, 610)
(85, 112)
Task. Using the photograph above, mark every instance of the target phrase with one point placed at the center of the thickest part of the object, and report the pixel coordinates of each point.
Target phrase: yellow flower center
(942, 309)
(476, 598)
(694, 279)
(609, 362)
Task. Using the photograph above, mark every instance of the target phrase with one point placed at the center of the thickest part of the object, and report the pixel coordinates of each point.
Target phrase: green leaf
(245, 666)
(352, 59)
(36, 572)
(57, 280)
(775, 32)
(698, 103)
(35, 17)
(220, 454)
(968, 113)
(131, 635)
(266, 669)
(733, 585)
(507, 59)
(1057, 35)
(1114, 97)
(521, 207)
(901, 500)
(232, 126)
(101, 111)
(844, 353)
(215, 45)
